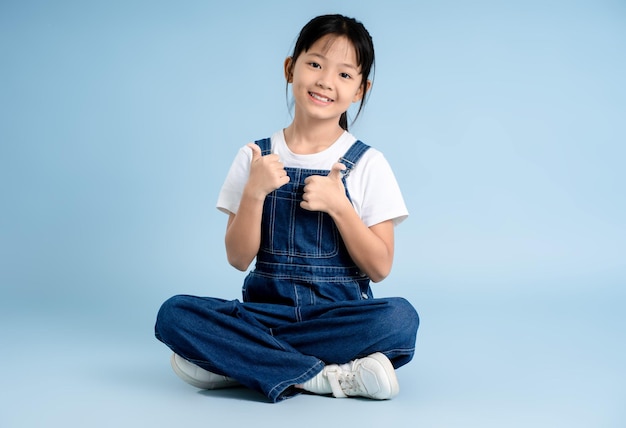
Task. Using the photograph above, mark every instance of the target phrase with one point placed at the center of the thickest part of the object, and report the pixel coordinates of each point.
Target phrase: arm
(371, 248)
(243, 231)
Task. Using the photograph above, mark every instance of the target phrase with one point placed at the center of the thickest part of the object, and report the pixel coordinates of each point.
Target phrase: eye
(315, 65)
(345, 76)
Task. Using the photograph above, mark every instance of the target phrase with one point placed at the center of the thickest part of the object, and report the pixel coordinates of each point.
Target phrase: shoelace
(343, 382)
(350, 385)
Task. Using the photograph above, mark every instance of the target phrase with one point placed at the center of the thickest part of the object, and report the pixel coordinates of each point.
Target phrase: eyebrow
(342, 64)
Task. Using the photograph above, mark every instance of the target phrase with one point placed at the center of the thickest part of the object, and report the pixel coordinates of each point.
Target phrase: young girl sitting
(317, 209)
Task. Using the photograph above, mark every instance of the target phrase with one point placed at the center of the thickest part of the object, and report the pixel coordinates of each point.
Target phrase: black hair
(355, 32)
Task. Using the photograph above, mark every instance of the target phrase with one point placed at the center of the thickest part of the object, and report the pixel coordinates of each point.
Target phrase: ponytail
(343, 121)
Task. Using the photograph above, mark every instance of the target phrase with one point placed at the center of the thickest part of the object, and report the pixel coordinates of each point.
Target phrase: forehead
(336, 47)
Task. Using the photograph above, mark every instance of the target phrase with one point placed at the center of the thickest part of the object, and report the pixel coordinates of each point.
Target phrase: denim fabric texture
(306, 304)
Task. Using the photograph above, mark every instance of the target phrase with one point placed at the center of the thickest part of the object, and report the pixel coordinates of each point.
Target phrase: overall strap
(352, 156)
(349, 159)
(265, 145)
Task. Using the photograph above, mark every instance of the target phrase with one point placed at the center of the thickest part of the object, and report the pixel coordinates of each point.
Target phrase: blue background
(505, 124)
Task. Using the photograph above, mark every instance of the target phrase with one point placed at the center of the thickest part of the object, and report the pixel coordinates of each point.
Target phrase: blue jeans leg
(226, 338)
(343, 331)
(270, 348)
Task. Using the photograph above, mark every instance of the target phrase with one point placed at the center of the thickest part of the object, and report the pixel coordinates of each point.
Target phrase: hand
(266, 173)
(325, 193)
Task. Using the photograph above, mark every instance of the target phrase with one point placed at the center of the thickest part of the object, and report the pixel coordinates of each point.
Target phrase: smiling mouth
(320, 98)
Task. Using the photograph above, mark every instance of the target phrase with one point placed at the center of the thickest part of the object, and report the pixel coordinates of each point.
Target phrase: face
(325, 79)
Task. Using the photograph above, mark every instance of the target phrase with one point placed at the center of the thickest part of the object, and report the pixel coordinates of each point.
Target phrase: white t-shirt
(372, 186)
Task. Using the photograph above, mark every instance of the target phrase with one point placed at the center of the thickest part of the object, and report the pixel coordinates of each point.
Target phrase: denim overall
(302, 259)
(306, 303)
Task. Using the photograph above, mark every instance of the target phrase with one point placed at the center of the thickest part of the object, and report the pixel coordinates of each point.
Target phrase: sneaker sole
(197, 382)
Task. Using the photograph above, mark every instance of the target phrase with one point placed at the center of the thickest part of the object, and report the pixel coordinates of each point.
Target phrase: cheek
(300, 81)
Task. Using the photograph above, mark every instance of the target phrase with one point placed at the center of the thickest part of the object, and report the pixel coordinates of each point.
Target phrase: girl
(308, 320)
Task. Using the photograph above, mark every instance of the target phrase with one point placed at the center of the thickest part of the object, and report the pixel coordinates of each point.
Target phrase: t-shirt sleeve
(232, 189)
(382, 198)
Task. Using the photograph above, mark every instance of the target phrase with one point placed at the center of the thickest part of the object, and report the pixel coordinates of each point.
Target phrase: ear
(361, 93)
(288, 69)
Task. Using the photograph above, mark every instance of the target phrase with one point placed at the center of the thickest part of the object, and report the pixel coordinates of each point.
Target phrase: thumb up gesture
(327, 193)
(267, 173)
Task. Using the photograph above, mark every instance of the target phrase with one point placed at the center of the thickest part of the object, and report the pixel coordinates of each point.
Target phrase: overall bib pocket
(295, 231)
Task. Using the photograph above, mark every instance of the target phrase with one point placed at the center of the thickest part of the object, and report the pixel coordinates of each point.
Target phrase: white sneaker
(371, 377)
(198, 377)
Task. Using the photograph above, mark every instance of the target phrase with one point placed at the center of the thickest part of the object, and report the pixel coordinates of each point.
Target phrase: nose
(323, 84)
(324, 81)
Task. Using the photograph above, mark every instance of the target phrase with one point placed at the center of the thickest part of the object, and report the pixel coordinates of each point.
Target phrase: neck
(308, 138)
